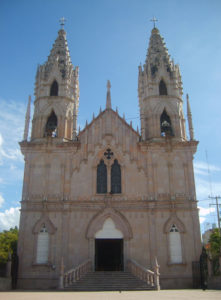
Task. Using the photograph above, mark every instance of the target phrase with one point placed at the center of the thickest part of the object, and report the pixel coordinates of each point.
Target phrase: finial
(154, 20)
(79, 129)
(124, 116)
(137, 129)
(116, 109)
(62, 22)
(93, 116)
(86, 124)
(100, 110)
(108, 101)
(131, 123)
(189, 117)
(27, 119)
(108, 85)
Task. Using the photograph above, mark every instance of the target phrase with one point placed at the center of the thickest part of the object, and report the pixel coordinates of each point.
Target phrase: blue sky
(108, 39)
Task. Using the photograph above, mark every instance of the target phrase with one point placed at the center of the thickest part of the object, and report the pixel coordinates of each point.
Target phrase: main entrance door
(109, 255)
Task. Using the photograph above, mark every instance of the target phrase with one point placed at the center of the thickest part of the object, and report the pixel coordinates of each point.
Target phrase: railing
(150, 277)
(73, 275)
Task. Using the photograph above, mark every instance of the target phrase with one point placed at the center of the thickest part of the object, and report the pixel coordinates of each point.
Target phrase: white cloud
(202, 168)
(202, 220)
(12, 116)
(9, 218)
(203, 188)
(1, 200)
(206, 211)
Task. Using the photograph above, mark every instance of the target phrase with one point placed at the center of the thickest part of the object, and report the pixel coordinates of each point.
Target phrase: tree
(8, 243)
(215, 248)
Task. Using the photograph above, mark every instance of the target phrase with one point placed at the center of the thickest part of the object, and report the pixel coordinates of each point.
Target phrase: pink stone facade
(60, 176)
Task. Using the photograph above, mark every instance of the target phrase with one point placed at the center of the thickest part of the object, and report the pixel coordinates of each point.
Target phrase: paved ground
(149, 295)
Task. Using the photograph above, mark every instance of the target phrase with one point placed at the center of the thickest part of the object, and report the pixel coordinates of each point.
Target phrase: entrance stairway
(109, 281)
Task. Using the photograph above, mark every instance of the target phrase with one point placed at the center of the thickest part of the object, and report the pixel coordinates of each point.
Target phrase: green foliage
(215, 243)
(8, 243)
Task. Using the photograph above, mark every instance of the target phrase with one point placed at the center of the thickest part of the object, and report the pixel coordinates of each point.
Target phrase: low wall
(214, 282)
(5, 284)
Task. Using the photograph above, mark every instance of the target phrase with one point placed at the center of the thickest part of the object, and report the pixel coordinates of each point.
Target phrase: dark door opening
(109, 255)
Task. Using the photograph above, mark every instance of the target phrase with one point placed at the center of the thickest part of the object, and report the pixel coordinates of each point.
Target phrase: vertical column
(170, 176)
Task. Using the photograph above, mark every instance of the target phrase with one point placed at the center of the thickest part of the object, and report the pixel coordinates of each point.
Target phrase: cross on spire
(62, 22)
(154, 20)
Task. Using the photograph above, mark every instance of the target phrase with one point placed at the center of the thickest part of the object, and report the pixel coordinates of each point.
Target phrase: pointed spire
(79, 129)
(100, 110)
(138, 130)
(27, 119)
(59, 55)
(108, 101)
(189, 117)
(157, 53)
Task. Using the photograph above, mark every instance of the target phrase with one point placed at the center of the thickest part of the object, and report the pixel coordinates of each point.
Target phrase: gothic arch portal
(121, 223)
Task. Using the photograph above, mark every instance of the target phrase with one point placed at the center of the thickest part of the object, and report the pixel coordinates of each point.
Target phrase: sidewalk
(144, 295)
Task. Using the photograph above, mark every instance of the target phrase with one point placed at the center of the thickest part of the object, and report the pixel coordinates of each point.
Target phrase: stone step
(109, 281)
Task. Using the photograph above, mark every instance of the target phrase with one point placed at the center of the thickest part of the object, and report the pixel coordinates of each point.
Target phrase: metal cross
(62, 22)
(154, 20)
(108, 153)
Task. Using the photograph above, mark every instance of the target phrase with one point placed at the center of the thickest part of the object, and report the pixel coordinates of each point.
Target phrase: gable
(109, 126)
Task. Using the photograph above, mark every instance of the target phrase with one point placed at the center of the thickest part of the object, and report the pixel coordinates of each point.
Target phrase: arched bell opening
(54, 89)
(51, 125)
(162, 87)
(166, 125)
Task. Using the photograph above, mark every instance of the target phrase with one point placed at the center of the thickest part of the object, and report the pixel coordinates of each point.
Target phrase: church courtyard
(150, 295)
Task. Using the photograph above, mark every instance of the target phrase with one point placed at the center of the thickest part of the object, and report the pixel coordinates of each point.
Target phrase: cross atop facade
(154, 20)
(62, 22)
(108, 153)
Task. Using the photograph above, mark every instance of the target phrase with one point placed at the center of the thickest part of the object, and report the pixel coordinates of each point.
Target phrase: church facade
(108, 194)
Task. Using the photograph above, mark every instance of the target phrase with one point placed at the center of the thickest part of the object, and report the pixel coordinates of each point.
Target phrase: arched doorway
(109, 248)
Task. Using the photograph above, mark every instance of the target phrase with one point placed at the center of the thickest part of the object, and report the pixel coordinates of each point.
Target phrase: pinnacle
(157, 54)
(59, 55)
(108, 100)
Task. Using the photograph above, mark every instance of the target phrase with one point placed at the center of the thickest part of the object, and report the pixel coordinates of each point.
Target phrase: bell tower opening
(109, 248)
(162, 88)
(165, 124)
(54, 89)
(51, 125)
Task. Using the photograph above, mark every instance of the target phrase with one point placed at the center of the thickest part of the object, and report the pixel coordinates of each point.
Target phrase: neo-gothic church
(108, 198)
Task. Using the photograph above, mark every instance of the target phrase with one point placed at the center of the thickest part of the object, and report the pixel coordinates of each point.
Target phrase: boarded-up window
(175, 245)
(42, 246)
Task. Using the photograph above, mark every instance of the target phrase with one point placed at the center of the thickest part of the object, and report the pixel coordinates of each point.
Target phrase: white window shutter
(175, 247)
(42, 248)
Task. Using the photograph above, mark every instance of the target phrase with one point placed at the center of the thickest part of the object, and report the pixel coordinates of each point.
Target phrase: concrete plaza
(143, 295)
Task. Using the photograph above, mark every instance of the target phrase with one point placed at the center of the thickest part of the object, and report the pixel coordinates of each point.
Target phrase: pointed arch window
(162, 87)
(115, 178)
(101, 178)
(175, 245)
(51, 125)
(165, 124)
(54, 89)
(42, 246)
